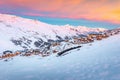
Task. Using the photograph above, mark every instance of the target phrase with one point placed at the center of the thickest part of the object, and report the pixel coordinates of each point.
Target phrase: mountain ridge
(26, 37)
(14, 27)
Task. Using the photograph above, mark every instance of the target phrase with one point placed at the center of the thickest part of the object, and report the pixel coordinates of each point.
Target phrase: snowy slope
(100, 61)
(29, 31)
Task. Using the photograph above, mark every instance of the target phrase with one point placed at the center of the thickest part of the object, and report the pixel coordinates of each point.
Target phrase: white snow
(13, 27)
(100, 61)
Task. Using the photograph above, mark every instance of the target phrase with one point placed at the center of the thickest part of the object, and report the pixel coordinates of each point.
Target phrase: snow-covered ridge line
(25, 33)
(20, 36)
(21, 26)
(35, 23)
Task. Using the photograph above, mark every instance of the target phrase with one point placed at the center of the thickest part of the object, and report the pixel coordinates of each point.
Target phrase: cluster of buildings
(46, 51)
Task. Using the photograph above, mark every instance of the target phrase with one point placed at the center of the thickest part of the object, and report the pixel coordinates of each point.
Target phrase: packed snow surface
(100, 61)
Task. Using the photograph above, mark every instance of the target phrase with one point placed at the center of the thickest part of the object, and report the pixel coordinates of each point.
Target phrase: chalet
(17, 52)
(104, 35)
(36, 52)
(55, 44)
(80, 39)
(55, 51)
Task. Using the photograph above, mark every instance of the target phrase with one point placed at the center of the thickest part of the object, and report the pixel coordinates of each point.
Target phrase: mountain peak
(21, 33)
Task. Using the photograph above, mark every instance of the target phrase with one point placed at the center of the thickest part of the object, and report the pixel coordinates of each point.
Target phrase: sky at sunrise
(93, 10)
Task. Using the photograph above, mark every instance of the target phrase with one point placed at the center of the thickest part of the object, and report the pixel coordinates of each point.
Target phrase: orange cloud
(107, 10)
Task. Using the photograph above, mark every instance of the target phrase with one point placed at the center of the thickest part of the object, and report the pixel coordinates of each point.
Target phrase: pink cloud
(107, 10)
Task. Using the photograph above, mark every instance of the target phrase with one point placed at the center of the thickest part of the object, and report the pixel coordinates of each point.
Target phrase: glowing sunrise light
(101, 10)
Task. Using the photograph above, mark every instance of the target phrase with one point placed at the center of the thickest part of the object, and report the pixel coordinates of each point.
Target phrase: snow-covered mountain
(18, 33)
(100, 61)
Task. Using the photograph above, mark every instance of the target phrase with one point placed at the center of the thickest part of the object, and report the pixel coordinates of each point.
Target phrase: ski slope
(98, 61)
